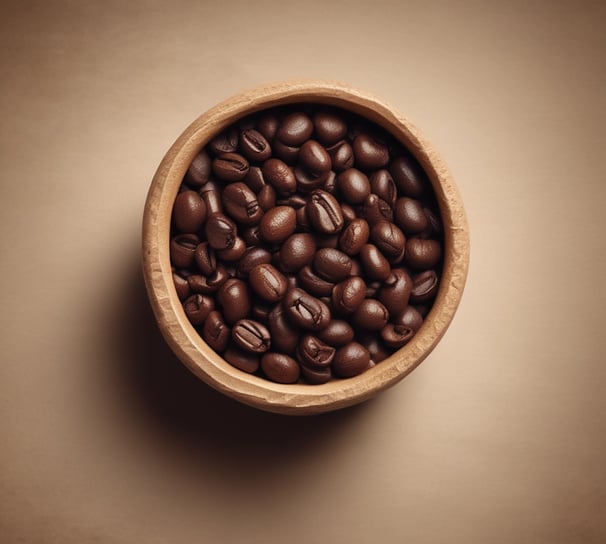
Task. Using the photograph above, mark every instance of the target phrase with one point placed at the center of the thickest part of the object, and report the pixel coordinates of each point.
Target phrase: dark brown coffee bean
(278, 224)
(324, 212)
(278, 174)
(348, 295)
(205, 258)
(252, 257)
(285, 335)
(314, 159)
(189, 212)
(422, 254)
(197, 307)
(341, 156)
(268, 282)
(409, 216)
(337, 333)
(369, 153)
(374, 263)
(267, 198)
(435, 223)
(306, 311)
(221, 231)
(329, 127)
(394, 293)
(296, 252)
(354, 236)
(375, 346)
(215, 331)
(230, 167)
(389, 239)
(353, 185)
(383, 185)
(254, 146)
(349, 214)
(351, 360)
(199, 170)
(234, 253)
(207, 285)
(396, 336)
(314, 353)
(211, 194)
(286, 153)
(251, 336)
(241, 204)
(295, 201)
(246, 361)
(182, 249)
(316, 376)
(375, 209)
(408, 176)
(332, 265)
(314, 284)
(255, 179)
(295, 129)
(424, 286)
(280, 368)
(226, 142)
(268, 124)
(370, 315)
(307, 182)
(181, 286)
(234, 299)
(410, 317)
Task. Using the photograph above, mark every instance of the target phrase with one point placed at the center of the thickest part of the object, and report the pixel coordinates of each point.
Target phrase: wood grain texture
(297, 399)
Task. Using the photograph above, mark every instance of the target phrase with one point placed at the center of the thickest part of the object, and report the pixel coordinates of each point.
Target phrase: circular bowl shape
(188, 345)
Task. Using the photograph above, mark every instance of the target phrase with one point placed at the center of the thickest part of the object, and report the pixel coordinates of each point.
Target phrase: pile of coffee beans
(306, 244)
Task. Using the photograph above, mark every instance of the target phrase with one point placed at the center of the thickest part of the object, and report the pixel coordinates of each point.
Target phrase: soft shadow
(166, 398)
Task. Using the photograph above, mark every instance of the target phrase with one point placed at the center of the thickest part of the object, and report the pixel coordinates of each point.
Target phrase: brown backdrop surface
(498, 437)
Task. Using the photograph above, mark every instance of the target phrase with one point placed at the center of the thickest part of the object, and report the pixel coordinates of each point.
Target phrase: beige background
(498, 437)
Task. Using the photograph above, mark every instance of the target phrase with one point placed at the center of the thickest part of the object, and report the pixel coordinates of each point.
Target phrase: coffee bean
(189, 212)
(182, 250)
(375, 209)
(278, 174)
(254, 145)
(278, 224)
(324, 212)
(374, 264)
(383, 185)
(424, 286)
(267, 198)
(370, 315)
(353, 185)
(244, 360)
(255, 179)
(284, 334)
(215, 331)
(341, 156)
(181, 286)
(314, 353)
(205, 258)
(394, 293)
(337, 333)
(295, 129)
(211, 194)
(332, 265)
(410, 317)
(207, 285)
(313, 283)
(314, 159)
(369, 153)
(226, 142)
(252, 257)
(351, 360)
(329, 127)
(268, 124)
(389, 239)
(422, 254)
(221, 231)
(376, 347)
(396, 336)
(354, 236)
(197, 307)
(233, 253)
(251, 336)
(280, 368)
(316, 376)
(305, 310)
(234, 299)
(241, 204)
(408, 176)
(230, 167)
(297, 251)
(348, 295)
(268, 282)
(410, 216)
(199, 170)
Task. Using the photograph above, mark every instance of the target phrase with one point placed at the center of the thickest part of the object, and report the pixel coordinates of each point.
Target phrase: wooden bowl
(183, 338)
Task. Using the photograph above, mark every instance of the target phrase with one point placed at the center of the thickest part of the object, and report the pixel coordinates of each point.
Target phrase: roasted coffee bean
(316, 376)
(255, 179)
(205, 258)
(307, 182)
(375, 209)
(374, 263)
(370, 315)
(353, 186)
(408, 176)
(268, 282)
(409, 317)
(389, 239)
(207, 285)
(330, 182)
(267, 198)
(199, 170)
(296, 252)
(211, 194)
(354, 236)
(349, 214)
(286, 153)
(233, 253)
(252, 257)
(396, 336)
(251, 336)
(351, 360)
(295, 129)
(189, 212)
(332, 265)
(313, 283)
(314, 353)
(226, 142)
(302, 221)
(215, 331)
(234, 299)
(434, 221)
(181, 286)
(278, 174)
(197, 307)
(285, 335)
(254, 146)
(241, 204)
(394, 293)
(375, 346)
(324, 212)
(268, 124)
(280, 368)
(341, 156)
(424, 286)
(182, 249)
(369, 153)
(244, 360)
(337, 333)
(348, 295)
(329, 127)
(383, 185)
(313, 158)
(278, 224)
(221, 231)
(422, 254)
(230, 167)
(306, 311)
(295, 201)
(410, 216)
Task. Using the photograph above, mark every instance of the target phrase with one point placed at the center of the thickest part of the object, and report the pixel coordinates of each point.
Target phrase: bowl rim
(185, 341)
